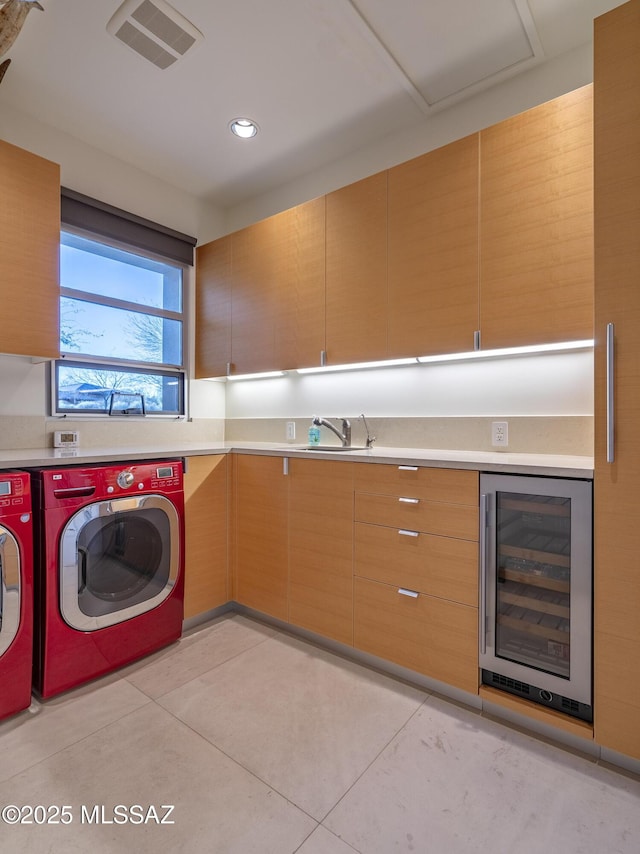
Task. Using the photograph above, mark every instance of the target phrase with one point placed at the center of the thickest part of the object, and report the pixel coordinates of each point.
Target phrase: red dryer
(16, 592)
(110, 580)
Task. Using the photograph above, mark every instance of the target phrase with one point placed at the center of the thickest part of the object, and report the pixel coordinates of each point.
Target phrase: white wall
(539, 84)
(555, 385)
(551, 384)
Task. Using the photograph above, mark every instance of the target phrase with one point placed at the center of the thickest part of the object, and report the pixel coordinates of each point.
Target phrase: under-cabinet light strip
(472, 355)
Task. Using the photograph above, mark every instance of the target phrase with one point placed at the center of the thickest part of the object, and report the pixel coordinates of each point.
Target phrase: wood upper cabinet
(617, 301)
(206, 583)
(213, 308)
(356, 273)
(277, 275)
(29, 253)
(300, 286)
(433, 251)
(260, 534)
(321, 547)
(536, 225)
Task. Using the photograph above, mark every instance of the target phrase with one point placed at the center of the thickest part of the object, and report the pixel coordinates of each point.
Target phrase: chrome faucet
(345, 436)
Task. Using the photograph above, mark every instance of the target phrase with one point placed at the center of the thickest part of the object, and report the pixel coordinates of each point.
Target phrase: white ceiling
(321, 78)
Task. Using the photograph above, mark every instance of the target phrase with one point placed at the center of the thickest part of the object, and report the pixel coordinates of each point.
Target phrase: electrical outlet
(291, 431)
(500, 434)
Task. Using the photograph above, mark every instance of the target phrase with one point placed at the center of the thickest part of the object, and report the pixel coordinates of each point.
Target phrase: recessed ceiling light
(244, 128)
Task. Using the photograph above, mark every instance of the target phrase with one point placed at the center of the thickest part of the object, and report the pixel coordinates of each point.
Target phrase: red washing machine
(16, 592)
(110, 582)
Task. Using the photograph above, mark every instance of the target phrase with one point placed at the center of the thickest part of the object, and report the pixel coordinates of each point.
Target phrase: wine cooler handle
(610, 392)
(482, 616)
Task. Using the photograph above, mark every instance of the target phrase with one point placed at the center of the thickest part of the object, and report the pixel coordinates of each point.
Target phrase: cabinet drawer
(440, 566)
(416, 514)
(453, 486)
(425, 634)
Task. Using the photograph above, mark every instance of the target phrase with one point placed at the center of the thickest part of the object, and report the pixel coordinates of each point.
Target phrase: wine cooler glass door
(533, 601)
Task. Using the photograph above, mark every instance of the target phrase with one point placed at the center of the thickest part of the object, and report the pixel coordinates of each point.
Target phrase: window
(121, 331)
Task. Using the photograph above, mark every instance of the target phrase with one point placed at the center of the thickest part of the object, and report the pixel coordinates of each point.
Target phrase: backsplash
(31, 431)
(545, 434)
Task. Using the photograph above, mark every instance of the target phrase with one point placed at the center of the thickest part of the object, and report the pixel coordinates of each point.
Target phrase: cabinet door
(260, 534)
(357, 272)
(617, 301)
(299, 289)
(256, 267)
(433, 251)
(536, 225)
(213, 308)
(423, 633)
(278, 291)
(321, 547)
(206, 583)
(29, 253)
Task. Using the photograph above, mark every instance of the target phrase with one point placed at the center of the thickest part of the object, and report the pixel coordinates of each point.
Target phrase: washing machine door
(118, 559)
(9, 588)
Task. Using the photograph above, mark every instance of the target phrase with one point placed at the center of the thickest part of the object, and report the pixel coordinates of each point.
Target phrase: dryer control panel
(15, 493)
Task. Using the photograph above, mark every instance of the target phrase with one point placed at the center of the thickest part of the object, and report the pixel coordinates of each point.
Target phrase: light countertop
(554, 465)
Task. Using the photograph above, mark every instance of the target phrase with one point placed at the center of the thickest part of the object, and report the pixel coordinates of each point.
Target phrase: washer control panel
(125, 479)
(15, 494)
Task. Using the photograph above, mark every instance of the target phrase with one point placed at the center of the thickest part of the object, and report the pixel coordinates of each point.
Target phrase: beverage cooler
(536, 590)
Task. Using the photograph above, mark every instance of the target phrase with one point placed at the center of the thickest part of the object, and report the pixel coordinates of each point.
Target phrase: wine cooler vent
(504, 682)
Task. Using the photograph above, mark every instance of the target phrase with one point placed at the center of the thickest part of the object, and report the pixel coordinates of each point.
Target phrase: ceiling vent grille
(154, 30)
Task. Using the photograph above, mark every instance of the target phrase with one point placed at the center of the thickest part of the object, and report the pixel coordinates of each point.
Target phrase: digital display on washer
(164, 471)
(5, 487)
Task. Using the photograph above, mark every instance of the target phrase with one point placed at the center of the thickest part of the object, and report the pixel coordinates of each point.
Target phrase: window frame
(83, 360)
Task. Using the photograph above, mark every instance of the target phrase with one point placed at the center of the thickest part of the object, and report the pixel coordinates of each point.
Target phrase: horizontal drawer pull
(411, 593)
(74, 492)
(409, 500)
(404, 533)
(407, 468)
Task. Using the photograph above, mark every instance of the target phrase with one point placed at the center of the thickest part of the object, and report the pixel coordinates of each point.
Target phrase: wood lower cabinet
(416, 569)
(206, 525)
(617, 301)
(433, 251)
(536, 225)
(29, 253)
(321, 547)
(423, 633)
(260, 534)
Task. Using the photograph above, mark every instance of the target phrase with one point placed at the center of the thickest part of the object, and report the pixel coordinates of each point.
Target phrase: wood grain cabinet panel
(299, 311)
(321, 547)
(206, 517)
(617, 301)
(260, 537)
(416, 514)
(356, 273)
(213, 308)
(452, 486)
(425, 634)
(440, 566)
(433, 251)
(536, 225)
(29, 253)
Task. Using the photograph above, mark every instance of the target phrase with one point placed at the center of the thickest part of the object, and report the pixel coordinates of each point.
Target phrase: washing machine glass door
(9, 588)
(119, 559)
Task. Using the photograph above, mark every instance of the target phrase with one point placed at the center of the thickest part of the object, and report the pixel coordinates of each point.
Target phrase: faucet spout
(344, 436)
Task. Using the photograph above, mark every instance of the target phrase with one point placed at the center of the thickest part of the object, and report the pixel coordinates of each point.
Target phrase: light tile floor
(264, 743)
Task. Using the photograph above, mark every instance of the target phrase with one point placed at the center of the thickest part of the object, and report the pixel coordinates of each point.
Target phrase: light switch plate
(291, 431)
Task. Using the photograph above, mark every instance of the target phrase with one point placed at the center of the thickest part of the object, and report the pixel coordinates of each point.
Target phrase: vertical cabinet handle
(482, 612)
(285, 465)
(610, 392)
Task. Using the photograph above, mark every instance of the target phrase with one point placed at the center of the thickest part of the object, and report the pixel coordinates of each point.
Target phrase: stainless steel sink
(335, 448)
